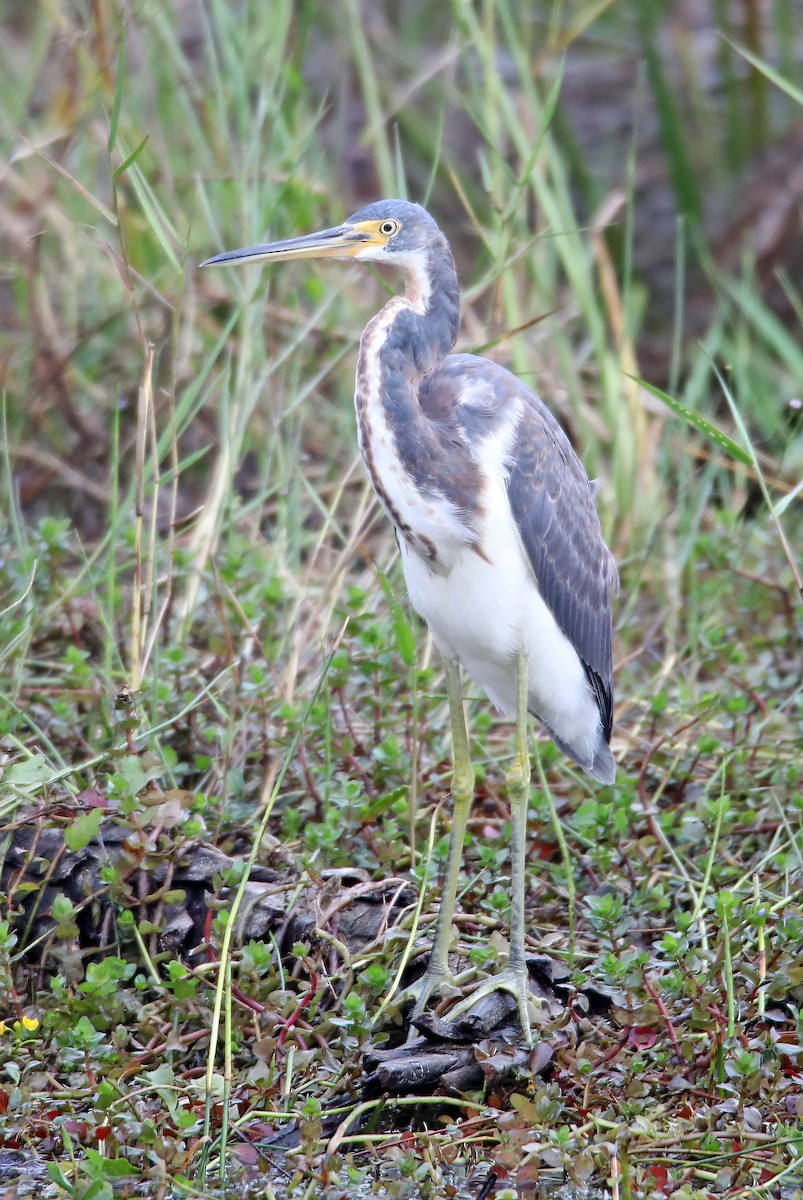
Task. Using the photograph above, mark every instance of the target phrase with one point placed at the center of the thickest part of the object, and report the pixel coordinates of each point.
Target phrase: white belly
(483, 613)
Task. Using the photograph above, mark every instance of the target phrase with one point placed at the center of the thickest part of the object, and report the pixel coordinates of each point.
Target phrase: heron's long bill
(343, 241)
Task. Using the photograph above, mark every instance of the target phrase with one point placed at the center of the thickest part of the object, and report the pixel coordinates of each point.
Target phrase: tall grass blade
(118, 90)
(762, 483)
(769, 72)
(699, 423)
(671, 124)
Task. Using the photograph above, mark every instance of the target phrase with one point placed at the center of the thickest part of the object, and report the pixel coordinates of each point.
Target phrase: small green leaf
(405, 642)
(118, 1168)
(783, 504)
(60, 1179)
(132, 158)
(62, 908)
(161, 1076)
(98, 1189)
(133, 774)
(84, 829)
(32, 772)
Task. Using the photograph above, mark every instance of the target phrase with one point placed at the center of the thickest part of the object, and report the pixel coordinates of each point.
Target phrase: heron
(500, 541)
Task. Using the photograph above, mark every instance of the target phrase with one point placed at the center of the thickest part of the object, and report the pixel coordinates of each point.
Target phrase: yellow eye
(389, 227)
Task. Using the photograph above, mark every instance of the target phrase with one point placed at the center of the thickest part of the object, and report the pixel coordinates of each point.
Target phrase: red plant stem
(303, 1003)
(211, 954)
(613, 1050)
(673, 1037)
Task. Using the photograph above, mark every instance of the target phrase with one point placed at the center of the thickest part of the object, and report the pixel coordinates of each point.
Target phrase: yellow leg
(514, 978)
(437, 971)
(518, 786)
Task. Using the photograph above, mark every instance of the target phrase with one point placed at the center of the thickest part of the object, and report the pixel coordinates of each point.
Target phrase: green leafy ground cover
(205, 636)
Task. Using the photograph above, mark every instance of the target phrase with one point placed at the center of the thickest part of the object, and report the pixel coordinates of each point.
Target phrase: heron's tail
(601, 766)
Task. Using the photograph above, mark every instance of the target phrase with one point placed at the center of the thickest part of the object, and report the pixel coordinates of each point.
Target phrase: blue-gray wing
(552, 503)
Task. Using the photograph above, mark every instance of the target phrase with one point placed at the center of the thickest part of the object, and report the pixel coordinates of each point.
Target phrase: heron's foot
(482, 1004)
(437, 980)
(514, 980)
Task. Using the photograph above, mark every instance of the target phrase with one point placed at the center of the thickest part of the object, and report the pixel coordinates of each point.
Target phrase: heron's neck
(429, 322)
(403, 343)
(407, 455)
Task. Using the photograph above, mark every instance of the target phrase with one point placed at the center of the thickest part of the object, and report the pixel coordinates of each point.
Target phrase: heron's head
(389, 231)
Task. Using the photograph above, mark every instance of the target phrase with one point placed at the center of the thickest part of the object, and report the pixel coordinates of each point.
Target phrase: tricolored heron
(500, 541)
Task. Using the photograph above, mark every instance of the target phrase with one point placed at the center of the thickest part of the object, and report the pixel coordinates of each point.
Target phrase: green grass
(204, 636)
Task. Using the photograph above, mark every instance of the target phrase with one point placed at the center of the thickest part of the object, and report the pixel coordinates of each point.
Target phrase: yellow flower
(26, 1025)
